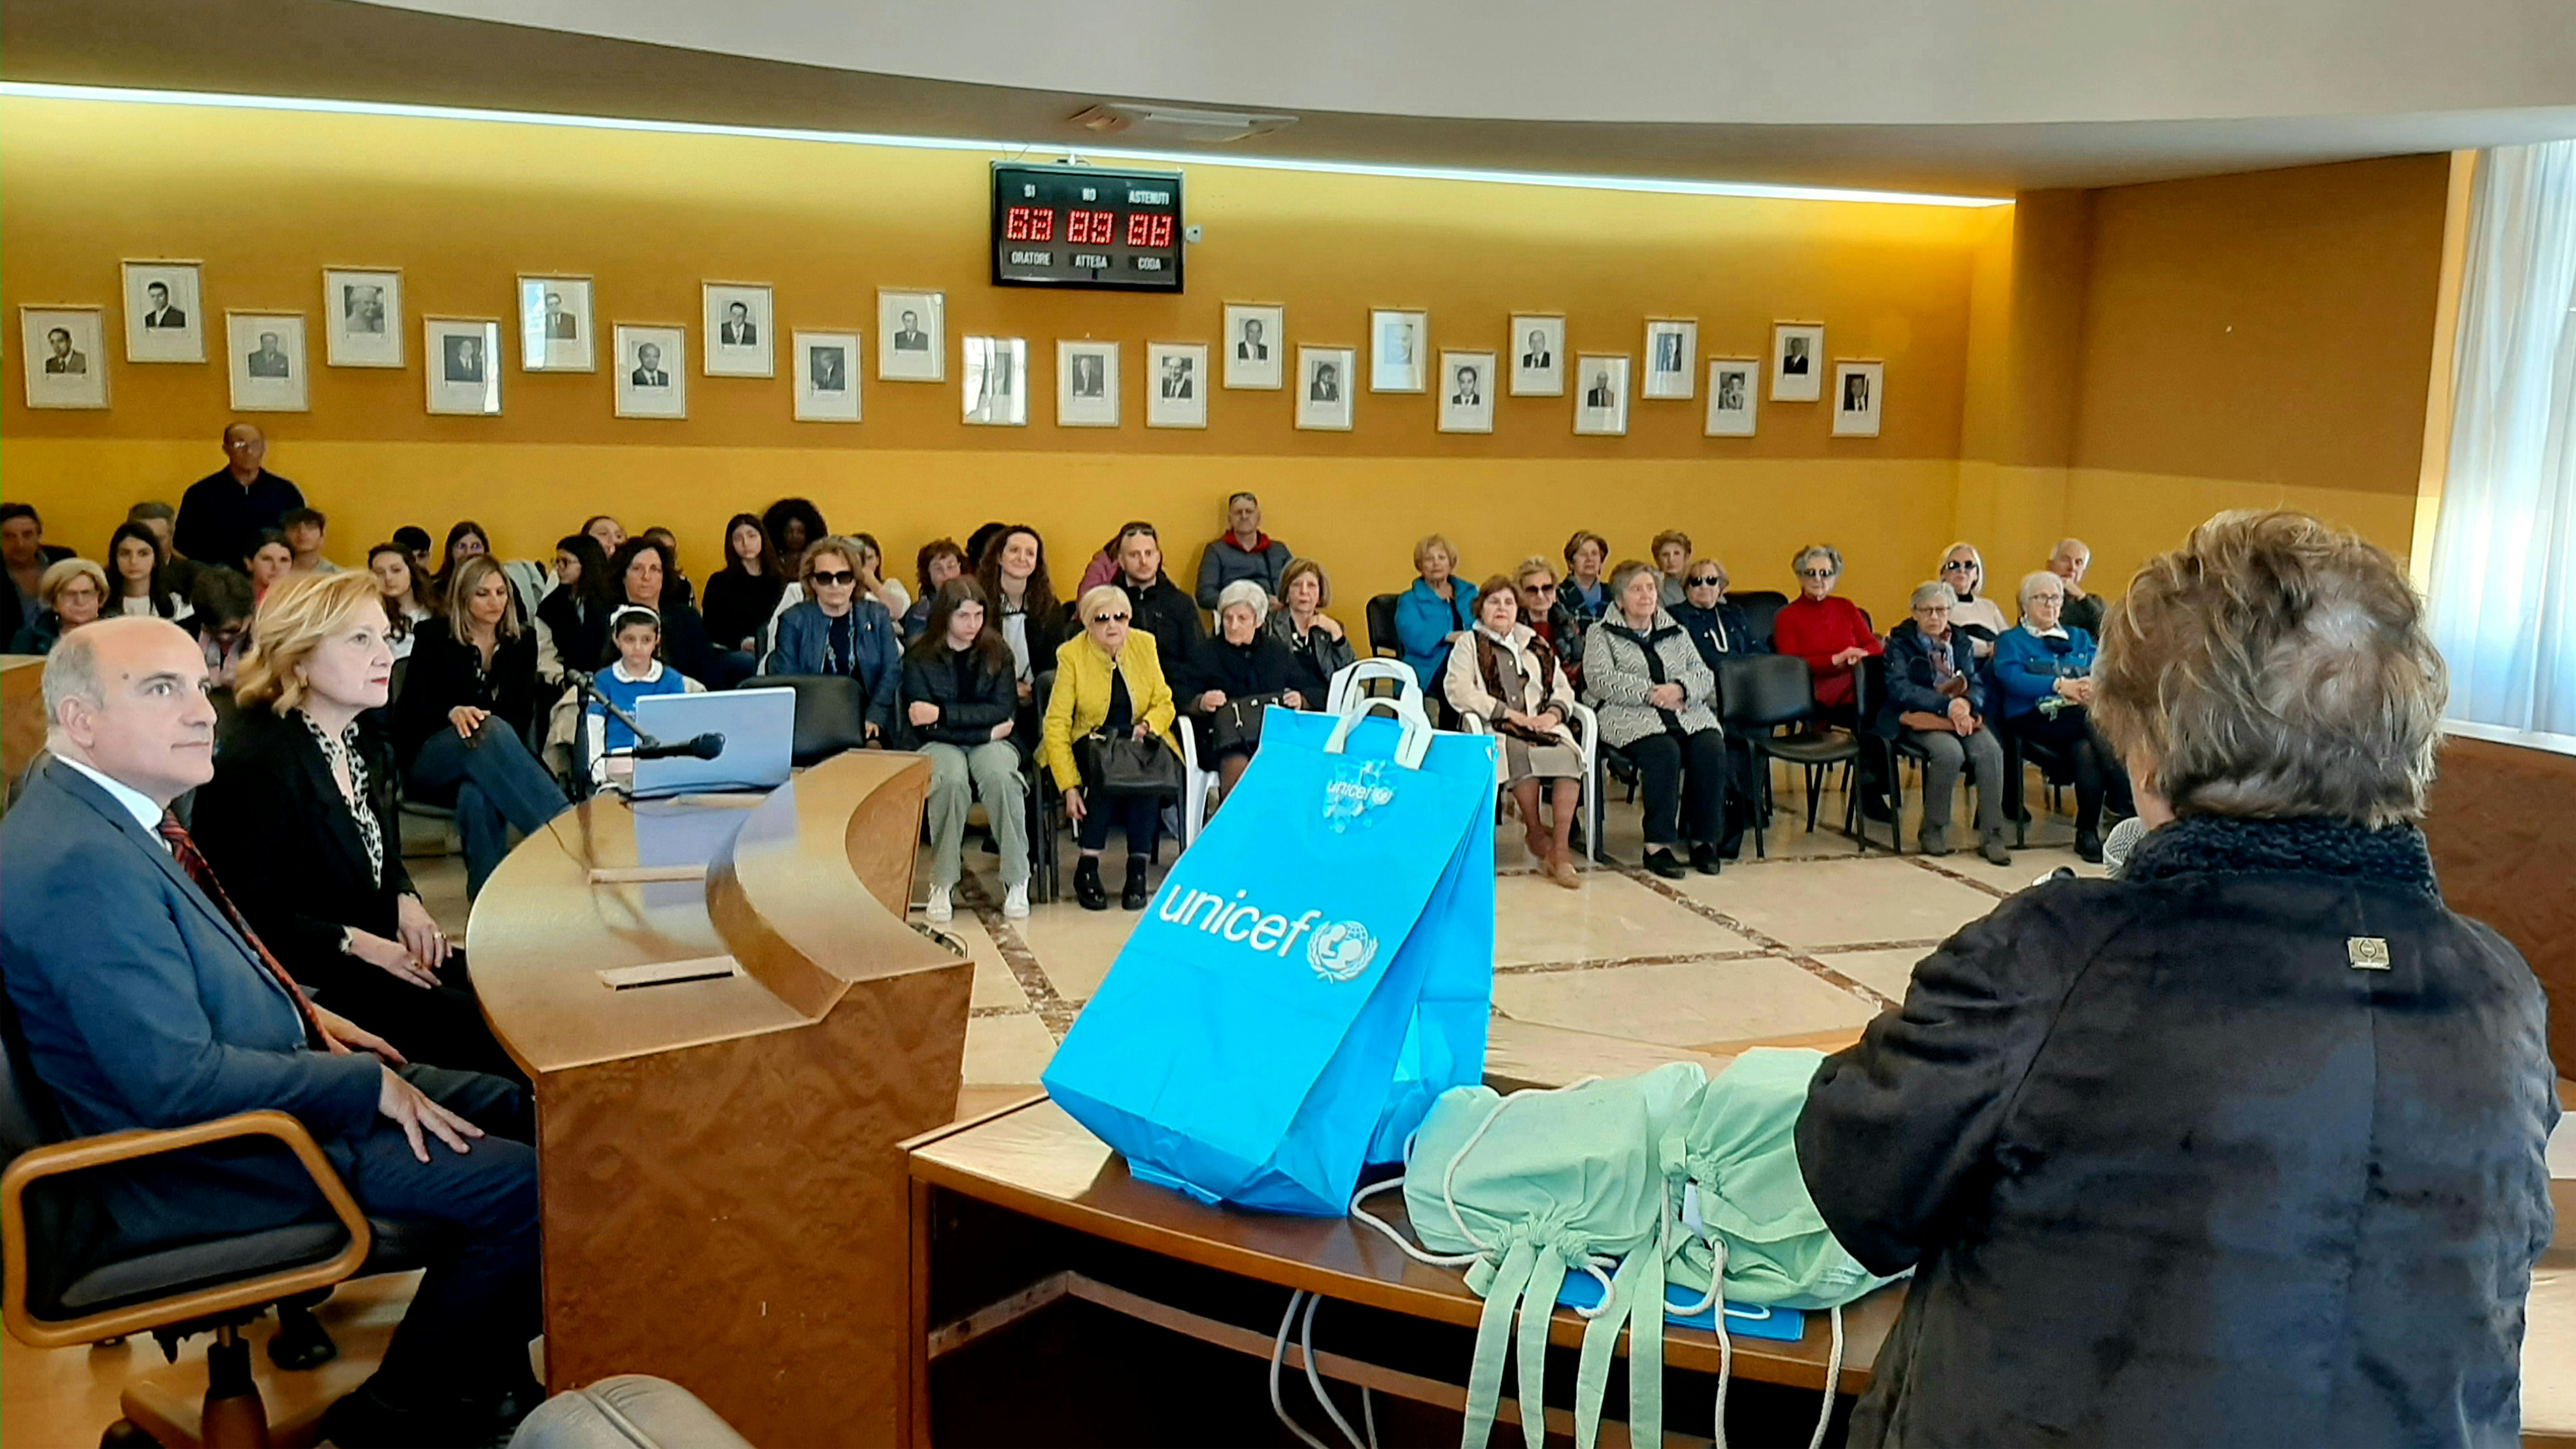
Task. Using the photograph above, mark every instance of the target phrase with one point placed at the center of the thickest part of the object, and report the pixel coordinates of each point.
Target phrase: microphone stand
(586, 686)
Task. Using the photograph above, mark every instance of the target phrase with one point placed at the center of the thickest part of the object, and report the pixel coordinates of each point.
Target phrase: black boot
(1086, 884)
(1661, 862)
(1704, 858)
(1133, 895)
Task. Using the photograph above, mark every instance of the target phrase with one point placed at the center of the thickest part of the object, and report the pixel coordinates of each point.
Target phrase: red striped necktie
(193, 861)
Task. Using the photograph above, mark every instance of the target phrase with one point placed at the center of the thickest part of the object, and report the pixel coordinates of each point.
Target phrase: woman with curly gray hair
(2247, 1146)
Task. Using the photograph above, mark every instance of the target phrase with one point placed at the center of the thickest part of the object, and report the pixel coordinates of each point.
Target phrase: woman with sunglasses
(1976, 616)
(1108, 678)
(839, 630)
(1833, 636)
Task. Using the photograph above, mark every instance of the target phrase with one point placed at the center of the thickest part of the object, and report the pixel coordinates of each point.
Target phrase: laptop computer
(759, 730)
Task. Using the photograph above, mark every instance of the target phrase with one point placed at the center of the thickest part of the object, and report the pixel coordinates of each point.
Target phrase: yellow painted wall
(267, 199)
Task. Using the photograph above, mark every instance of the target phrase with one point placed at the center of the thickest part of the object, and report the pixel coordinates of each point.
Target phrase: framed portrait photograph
(736, 318)
(265, 353)
(463, 363)
(1086, 384)
(1538, 355)
(827, 376)
(362, 322)
(1734, 389)
(1672, 347)
(554, 324)
(1466, 392)
(912, 336)
(1797, 361)
(61, 347)
(1256, 345)
(1324, 388)
(1600, 395)
(652, 372)
(1176, 384)
(996, 378)
(1396, 360)
(1860, 389)
(165, 312)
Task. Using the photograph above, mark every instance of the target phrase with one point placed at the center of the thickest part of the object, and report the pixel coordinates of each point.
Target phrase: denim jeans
(498, 785)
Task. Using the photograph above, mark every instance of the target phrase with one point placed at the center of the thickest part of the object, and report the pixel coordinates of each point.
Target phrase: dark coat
(580, 635)
(1162, 610)
(804, 637)
(1720, 632)
(272, 824)
(2171, 1169)
(1910, 684)
(443, 675)
(738, 605)
(966, 715)
(1311, 668)
(686, 645)
(1240, 670)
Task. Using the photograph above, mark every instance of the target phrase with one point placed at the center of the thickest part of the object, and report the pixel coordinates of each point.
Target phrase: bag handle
(1407, 709)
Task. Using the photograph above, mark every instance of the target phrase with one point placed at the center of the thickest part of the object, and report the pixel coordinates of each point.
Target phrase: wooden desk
(980, 1263)
(723, 1202)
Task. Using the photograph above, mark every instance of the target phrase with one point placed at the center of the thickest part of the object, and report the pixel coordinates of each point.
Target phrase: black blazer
(442, 676)
(1263, 666)
(738, 605)
(581, 636)
(966, 716)
(272, 824)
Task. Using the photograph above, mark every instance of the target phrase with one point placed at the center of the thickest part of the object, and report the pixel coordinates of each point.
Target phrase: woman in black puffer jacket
(958, 702)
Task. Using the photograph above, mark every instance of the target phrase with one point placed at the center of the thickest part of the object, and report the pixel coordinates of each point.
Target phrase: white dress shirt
(136, 803)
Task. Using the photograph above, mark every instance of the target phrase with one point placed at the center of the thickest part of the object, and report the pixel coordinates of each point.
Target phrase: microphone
(704, 747)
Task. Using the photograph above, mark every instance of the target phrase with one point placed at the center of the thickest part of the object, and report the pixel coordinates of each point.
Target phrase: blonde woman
(71, 593)
(1108, 677)
(1975, 614)
(299, 826)
(462, 722)
(1430, 616)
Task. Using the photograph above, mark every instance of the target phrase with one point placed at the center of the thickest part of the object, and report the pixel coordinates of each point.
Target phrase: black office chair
(1760, 607)
(1381, 628)
(71, 1279)
(1869, 691)
(1760, 693)
(1046, 805)
(2056, 770)
(830, 714)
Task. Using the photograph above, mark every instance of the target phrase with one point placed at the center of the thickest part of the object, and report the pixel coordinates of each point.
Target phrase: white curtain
(2504, 553)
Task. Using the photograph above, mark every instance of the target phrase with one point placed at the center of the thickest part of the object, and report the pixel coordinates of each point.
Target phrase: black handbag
(1120, 764)
(1236, 724)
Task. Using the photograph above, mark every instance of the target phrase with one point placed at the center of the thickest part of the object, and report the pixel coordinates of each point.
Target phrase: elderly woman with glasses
(1975, 615)
(2044, 671)
(2250, 1145)
(1934, 695)
(1833, 636)
(1109, 678)
(71, 593)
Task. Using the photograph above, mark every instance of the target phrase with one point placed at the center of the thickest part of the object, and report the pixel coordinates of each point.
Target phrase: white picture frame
(1466, 382)
(1176, 385)
(179, 334)
(1324, 386)
(995, 378)
(1734, 396)
(1398, 341)
(460, 361)
(1601, 394)
(826, 365)
(652, 365)
(912, 336)
(69, 370)
(556, 331)
(1256, 345)
(1538, 367)
(264, 355)
(1797, 361)
(1860, 392)
(1086, 384)
(736, 317)
(1672, 351)
(362, 316)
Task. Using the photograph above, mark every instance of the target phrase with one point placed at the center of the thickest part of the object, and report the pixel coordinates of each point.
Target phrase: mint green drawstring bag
(1521, 1190)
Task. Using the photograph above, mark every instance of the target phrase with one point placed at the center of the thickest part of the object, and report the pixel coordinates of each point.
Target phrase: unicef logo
(1341, 951)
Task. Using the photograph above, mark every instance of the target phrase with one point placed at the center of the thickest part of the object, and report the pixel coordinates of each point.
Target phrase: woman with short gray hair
(2043, 669)
(2250, 1145)
(1236, 672)
(1934, 695)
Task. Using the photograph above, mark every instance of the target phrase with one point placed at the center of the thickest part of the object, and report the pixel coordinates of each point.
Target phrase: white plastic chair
(1196, 786)
(1587, 738)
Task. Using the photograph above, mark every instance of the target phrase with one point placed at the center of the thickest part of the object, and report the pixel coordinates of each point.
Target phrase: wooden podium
(730, 1027)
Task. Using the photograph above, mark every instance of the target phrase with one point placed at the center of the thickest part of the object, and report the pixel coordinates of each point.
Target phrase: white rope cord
(1315, 1381)
(1833, 1381)
(1725, 1344)
(1278, 1356)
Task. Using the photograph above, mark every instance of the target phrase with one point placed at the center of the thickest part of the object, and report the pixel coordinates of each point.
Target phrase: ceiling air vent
(1138, 121)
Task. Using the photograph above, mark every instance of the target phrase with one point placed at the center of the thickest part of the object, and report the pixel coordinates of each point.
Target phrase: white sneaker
(1015, 904)
(936, 909)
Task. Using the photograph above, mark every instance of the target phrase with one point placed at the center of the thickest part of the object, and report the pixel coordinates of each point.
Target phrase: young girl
(637, 632)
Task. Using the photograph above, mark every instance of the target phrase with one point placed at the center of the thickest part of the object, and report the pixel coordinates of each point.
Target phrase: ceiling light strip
(1673, 186)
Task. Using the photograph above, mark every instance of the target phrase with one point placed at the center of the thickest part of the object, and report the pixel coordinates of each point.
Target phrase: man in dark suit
(1599, 394)
(270, 360)
(1326, 385)
(161, 313)
(1470, 393)
(1252, 348)
(738, 329)
(145, 1003)
(221, 514)
(909, 337)
(1538, 358)
(64, 360)
(648, 367)
(1176, 378)
(560, 324)
(827, 369)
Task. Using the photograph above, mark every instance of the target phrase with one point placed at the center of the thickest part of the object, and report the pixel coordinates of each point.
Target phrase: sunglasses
(835, 576)
(1109, 618)
(1815, 573)
(1958, 563)
(1711, 580)
(1540, 588)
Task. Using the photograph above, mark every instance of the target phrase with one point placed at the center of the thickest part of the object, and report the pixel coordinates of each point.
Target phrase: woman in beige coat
(1500, 672)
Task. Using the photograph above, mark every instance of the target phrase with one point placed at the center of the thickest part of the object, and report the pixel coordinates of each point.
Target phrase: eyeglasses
(1815, 573)
(1709, 580)
(835, 576)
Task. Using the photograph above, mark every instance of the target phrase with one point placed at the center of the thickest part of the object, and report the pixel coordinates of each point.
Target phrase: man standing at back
(145, 1002)
(224, 511)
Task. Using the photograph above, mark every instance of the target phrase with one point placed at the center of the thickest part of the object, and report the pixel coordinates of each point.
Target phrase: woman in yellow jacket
(1107, 677)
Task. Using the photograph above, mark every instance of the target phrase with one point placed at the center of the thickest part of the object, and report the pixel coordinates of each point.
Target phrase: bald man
(146, 1003)
(2082, 610)
(221, 514)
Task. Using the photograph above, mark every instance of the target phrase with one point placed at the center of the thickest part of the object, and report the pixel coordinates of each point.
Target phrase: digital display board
(1086, 226)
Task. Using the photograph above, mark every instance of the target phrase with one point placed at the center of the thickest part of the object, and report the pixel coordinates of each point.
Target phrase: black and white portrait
(1669, 344)
(1086, 384)
(995, 378)
(562, 323)
(1255, 345)
(1600, 394)
(1396, 351)
(266, 350)
(1324, 388)
(736, 318)
(737, 329)
(1178, 397)
(59, 349)
(163, 315)
(827, 376)
(62, 359)
(554, 325)
(362, 308)
(1859, 392)
(912, 336)
(652, 372)
(1467, 392)
(1180, 377)
(1732, 393)
(268, 359)
(1797, 361)
(362, 322)
(1601, 398)
(463, 357)
(1325, 385)
(1537, 355)
(465, 376)
(649, 371)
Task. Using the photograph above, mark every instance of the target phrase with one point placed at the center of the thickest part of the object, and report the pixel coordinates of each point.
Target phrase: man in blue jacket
(146, 1002)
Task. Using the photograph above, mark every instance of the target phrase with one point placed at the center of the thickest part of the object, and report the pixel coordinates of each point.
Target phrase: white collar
(136, 803)
(2058, 632)
(618, 669)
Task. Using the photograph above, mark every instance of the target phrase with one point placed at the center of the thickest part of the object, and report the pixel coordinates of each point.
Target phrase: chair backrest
(1869, 689)
(27, 1116)
(1762, 691)
(1381, 627)
(1760, 607)
(829, 710)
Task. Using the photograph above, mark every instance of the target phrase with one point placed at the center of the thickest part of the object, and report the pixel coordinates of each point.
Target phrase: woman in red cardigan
(1833, 636)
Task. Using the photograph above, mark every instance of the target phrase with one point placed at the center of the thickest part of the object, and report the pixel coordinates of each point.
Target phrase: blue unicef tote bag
(1316, 968)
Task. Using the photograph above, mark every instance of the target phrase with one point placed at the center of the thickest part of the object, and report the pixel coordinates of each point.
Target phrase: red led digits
(1145, 229)
(1162, 232)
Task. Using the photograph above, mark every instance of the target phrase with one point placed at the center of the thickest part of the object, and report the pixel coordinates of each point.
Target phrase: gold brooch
(2367, 953)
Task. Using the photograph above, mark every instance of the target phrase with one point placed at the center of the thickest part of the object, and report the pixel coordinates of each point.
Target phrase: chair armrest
(109, 1148)
(1189, 741)
(1473, 724)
